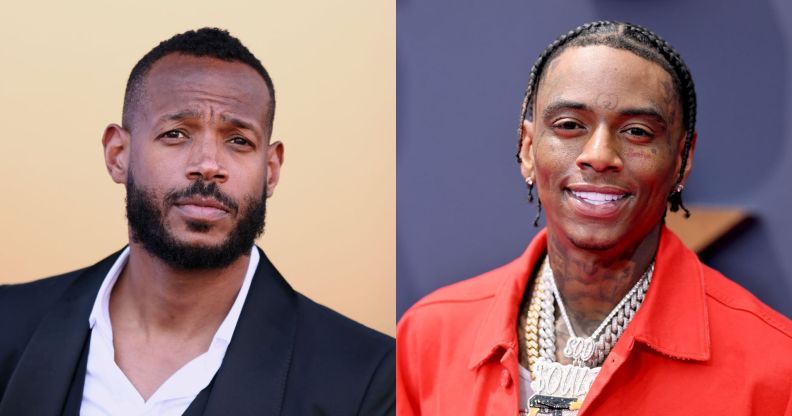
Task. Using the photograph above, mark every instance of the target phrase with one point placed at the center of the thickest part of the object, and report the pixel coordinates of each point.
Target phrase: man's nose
(601, 151)
(206, 161)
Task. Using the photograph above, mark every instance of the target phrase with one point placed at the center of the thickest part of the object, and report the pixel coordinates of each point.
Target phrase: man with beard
(191, 318)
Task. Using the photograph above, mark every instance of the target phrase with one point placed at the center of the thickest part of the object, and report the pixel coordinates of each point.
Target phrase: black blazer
(288, 356)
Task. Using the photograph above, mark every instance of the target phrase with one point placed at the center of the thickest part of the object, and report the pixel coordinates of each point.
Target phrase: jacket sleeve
(407, 394)
(380, 398)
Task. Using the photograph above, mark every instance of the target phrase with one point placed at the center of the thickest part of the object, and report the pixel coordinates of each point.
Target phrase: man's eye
(173, 134)
(567, 125)
(637, 131)
(240, 141)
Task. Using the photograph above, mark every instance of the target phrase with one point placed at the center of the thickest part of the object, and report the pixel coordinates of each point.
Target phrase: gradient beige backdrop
(331, 223)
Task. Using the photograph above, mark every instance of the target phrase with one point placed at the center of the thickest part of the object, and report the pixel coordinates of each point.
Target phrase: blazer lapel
(252, 379)
(43, 378)
(198, 405)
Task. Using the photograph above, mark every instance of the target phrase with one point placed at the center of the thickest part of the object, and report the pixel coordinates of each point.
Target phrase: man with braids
(606, 312)
(191, 318)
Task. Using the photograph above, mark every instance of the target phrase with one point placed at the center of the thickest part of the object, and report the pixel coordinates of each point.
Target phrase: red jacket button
(505, 380)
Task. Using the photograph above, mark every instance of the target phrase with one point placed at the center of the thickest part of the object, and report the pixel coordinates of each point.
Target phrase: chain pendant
(562, 380)
(579, 349)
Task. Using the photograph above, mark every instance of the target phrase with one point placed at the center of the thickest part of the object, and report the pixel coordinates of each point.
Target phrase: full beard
(148, 228)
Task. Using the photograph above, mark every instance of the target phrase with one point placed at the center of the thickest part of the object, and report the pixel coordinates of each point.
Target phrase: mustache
(201, 188)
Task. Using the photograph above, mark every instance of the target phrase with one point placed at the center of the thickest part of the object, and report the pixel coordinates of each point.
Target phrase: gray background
(462, 67)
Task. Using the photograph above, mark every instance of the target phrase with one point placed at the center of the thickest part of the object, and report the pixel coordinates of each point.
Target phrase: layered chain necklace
(562, 387)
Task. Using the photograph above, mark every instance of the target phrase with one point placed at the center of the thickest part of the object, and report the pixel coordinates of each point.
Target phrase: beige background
(331, 224)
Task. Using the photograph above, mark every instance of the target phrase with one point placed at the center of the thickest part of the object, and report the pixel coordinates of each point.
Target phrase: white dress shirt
(108, 391)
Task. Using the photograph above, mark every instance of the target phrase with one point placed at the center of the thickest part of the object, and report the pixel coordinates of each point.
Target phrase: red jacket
(699, 345)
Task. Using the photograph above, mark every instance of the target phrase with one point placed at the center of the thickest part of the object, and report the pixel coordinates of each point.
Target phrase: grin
(599, 204)
(597, 198)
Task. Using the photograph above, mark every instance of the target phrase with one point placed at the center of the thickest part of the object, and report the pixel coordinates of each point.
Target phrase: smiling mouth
(597, 198)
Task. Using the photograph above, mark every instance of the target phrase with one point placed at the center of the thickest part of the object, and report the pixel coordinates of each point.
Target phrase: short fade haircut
(206, 42)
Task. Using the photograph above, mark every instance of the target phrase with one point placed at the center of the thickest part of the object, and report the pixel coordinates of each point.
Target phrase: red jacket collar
(498, 330)
(672, 320)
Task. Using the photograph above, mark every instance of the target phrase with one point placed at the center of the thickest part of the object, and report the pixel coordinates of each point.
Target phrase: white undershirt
(108, 391)
(525, 387)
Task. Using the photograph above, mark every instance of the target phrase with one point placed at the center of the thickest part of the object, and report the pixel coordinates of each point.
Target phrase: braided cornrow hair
(640, 41)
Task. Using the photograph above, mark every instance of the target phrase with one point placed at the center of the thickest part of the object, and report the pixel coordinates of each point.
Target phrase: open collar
(672, 319)
(251, 380)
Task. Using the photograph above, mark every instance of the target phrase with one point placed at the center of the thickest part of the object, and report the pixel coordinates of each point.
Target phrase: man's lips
(202, 208)
(597, 201)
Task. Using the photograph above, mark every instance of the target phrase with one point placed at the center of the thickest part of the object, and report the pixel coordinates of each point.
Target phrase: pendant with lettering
(559, 386)
(579, 349)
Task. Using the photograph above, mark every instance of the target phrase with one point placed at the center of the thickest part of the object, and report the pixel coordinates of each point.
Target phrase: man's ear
(526, 150)
(689, 164)
(274, 163)
(116, 142)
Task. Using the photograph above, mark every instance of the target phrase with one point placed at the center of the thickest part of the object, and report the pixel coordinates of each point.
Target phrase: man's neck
(163, 317)
(157, 298)
(591, 283)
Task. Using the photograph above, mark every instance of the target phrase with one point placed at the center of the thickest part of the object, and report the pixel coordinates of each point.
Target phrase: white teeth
(597, 198)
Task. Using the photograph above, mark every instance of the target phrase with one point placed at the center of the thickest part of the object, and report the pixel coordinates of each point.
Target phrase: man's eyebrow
(650, 112)
(180, 115)
(559, 105)
(239, 123)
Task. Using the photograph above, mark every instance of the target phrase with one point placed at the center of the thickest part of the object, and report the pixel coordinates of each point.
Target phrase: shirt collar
(99, 319)
(498, 330)
(672, 320)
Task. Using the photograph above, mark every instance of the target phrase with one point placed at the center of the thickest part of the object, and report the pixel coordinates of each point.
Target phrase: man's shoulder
(321, 321)
(23, 305)
(35, 295)
(313, 319)
(330, 346)
(467, 295)
(733, 305)
(457, 309)
(43, 292)
(339, 366)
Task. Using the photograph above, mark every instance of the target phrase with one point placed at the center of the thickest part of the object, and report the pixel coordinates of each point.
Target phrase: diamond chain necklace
(582, 349)
(554, 383)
